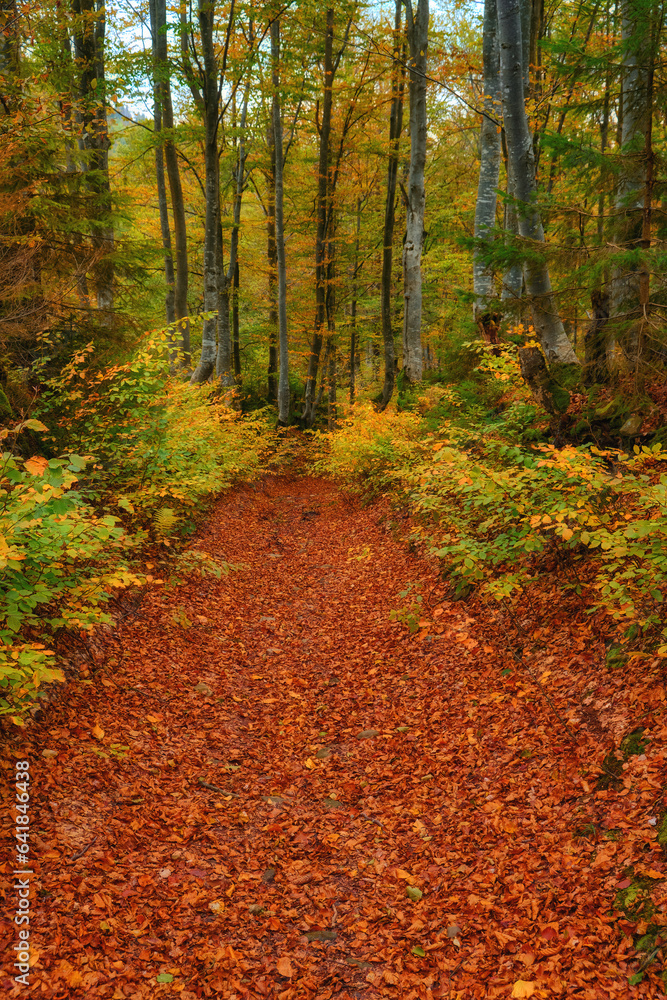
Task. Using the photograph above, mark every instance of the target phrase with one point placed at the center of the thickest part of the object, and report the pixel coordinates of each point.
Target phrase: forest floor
(269, 788)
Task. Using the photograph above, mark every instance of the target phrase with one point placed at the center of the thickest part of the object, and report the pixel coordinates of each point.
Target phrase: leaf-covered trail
(247, 803)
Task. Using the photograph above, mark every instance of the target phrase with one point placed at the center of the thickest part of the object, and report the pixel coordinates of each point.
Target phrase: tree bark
(210, 106)
(236, 339)
(180, 276)
(395, 129)
(417, 32)
(323, 206)
(157, 47)
(89, 36)
(521, 157)
(489, 172)
(272, 260)
(278, 163)
(628, 234)
(353, 304)
(225, 359)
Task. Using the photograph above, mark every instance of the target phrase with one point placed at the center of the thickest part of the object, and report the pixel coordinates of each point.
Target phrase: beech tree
(641, 23)
(395, 129)
(88, 29)
(521, 158)
(279, 229)
(489, 173)
(417, 33)
(176, 277)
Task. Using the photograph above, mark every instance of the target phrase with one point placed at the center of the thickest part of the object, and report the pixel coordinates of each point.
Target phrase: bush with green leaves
(490, 508)
(131, 452)
(158, 443)
(60, 563)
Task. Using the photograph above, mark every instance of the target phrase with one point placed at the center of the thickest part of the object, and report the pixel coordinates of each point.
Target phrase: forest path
(280, 792)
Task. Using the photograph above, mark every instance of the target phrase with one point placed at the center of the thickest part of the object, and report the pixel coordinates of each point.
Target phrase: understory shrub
(130, 453)
(490, 509)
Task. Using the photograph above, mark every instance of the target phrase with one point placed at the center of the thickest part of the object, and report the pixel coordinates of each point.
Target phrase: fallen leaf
(284, 967)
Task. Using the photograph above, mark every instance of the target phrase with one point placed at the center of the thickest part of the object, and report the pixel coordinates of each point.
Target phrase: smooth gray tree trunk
(180, 248)
(89, 40)
(210, 106)
(157, 47)
(546, 320)
(308, 415)
(225, 358)
(395, 129)
(353, 303)
(272, 261)
(624, 288)
(489, 173)
(417, 33)
(513, 276)
(279, 229)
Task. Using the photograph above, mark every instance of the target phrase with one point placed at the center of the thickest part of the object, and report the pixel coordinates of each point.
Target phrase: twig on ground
(80, 854)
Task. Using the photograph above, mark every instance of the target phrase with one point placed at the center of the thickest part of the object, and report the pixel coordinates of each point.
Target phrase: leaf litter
(287, 793)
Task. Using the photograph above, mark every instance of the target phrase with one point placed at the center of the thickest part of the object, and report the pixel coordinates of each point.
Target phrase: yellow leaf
(284, 967)
(36, 465)
(523, 989)
(310, 763)
(97, 732)
(567, 534)
(401, 873)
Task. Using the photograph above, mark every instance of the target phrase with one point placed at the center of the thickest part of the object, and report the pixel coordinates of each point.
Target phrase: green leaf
(164, 977)
(636, 978)
(418, 951)
(413, 893)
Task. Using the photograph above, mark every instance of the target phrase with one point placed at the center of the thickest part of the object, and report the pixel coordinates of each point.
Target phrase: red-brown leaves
(242, 806)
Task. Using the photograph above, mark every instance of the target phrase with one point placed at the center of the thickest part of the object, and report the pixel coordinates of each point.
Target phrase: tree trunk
(624, 292)
(417, 32)
(513, 276)
(521, 157)
(225, 362)
(180, 278)
(89, 32)
(272, 260)
(224, 358)
(332, 412)
(395, 129)
(323, 207)
(278, 163)
(156, 39)
(353, 304)
(210, 104)
(236, 340)
(489, 172)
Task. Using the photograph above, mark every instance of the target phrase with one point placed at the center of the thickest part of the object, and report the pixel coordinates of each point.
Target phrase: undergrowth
(128, 457)
(499, 506)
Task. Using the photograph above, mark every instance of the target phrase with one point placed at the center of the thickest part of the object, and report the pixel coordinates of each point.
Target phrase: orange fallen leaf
(97, 732)
(284, 967)
(523, 989)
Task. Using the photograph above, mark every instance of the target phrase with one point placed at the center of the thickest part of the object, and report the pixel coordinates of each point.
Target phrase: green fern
(164, 521)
